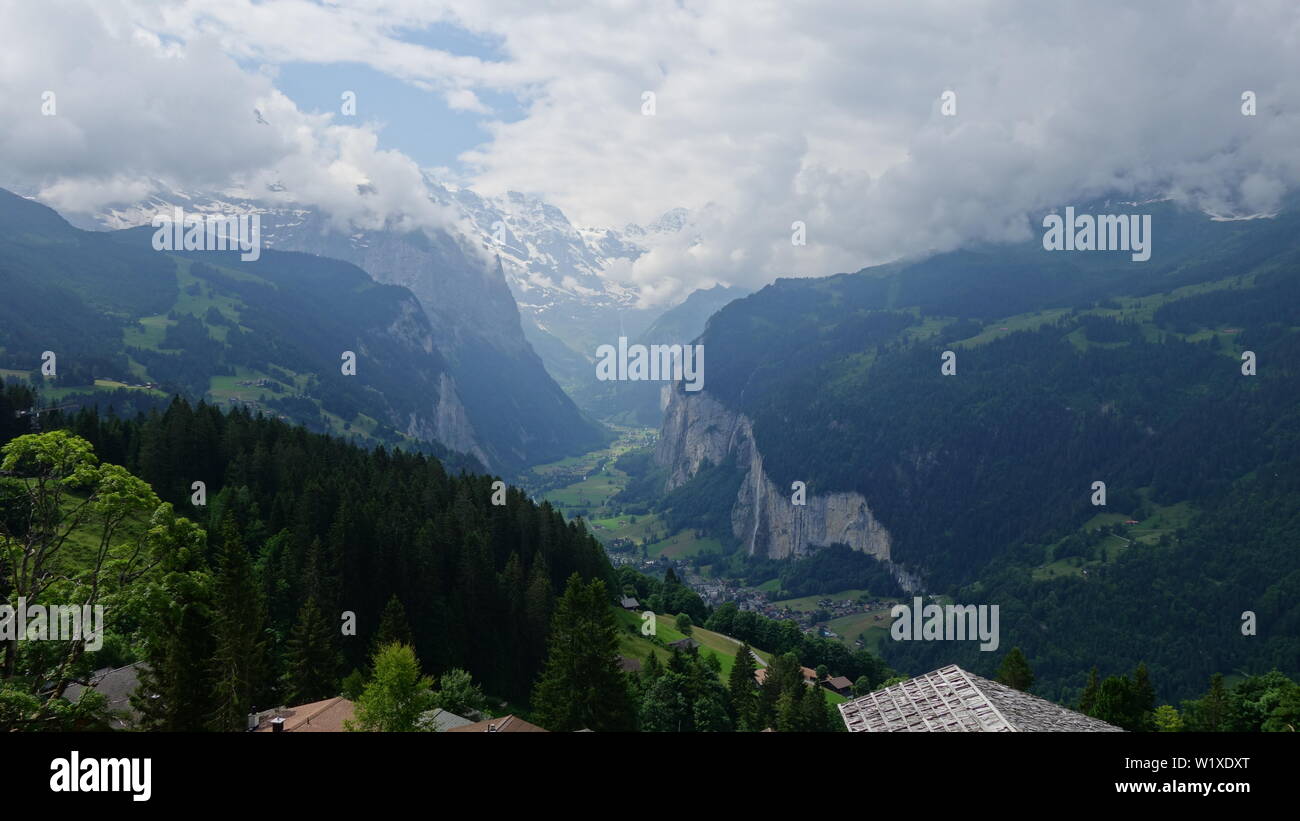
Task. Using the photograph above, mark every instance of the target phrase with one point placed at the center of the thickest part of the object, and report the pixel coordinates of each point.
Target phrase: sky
(765, 113)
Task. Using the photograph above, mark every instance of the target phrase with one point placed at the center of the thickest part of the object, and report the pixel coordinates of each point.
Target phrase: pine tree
(742, 689)
(1088, 700)
(1014, 671)
(789, 717)
(1144, 698)
(1114, 703)
(312, 660)
(175, 692)
(393, 627)
(1212, 712)
(239, 658)
(816, 712)
(652, 669)
(582, 685)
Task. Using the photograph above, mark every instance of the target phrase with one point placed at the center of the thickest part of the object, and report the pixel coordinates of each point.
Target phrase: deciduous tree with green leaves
(78, 533)
(396, 696)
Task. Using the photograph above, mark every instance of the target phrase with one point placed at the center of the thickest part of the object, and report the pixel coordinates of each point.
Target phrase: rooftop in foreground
(952, 700)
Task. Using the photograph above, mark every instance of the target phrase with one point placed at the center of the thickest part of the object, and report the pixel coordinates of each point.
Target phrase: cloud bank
(766, 113)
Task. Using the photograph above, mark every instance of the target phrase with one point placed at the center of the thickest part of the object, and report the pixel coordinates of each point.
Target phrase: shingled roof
(506, 724)
(116, 686)
(953, 700)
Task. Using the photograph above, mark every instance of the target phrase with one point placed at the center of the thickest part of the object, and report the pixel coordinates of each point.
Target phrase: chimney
(277, 724)
(492, 728)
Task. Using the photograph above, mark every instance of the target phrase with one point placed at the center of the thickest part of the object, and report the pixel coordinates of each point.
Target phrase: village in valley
(584, 487)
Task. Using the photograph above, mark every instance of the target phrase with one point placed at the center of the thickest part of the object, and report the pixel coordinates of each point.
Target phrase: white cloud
(135, 110)
(767, 112)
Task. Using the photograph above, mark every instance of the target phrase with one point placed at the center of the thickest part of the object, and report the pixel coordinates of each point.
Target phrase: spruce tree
(312, 661)
(652, 669)
(582, 685)
(239, 657)
(1144, 698)
(393, 627)
(1088, 700)
(175, 692)
(1212, 712)
(1014, 671)
(742, 689)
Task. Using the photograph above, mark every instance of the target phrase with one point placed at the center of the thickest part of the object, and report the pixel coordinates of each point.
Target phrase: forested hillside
(1070, 369)
(301, 528)
(272, 334)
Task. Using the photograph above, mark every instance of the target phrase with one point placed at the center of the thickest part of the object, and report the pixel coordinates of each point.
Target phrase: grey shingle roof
(116, 687)
(952, 700)
(440, 721)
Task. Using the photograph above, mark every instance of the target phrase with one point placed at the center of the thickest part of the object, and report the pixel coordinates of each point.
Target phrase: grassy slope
(634, 645)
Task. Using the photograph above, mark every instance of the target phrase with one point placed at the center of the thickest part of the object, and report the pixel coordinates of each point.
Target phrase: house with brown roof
(952, 700)
(317, 717)
(506, 724)
(809, 676)
(838, 684)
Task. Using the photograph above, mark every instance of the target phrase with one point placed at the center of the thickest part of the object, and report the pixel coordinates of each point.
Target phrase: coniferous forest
(298, 529)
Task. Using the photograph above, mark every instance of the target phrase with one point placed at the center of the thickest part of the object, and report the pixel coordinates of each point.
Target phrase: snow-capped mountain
(558, 274)
(555, 270)
(501, 404)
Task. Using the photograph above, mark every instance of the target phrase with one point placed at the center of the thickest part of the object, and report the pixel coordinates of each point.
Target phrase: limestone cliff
(698, 428)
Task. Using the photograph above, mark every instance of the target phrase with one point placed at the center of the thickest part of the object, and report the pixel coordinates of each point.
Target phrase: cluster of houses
(836, 684)
(327, 716)
(945, 700)
(331, 715)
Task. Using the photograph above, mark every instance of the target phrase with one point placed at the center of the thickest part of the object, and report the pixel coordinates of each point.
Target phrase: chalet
(839, 684)
(952, 700)
(629, 603)
(325, 716)
(507, 724)
(684, 644)
(809, 676)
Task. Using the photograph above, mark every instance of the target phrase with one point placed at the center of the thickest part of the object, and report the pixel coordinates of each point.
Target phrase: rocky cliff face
(493, 397)
(497, 403)
(699, 428)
